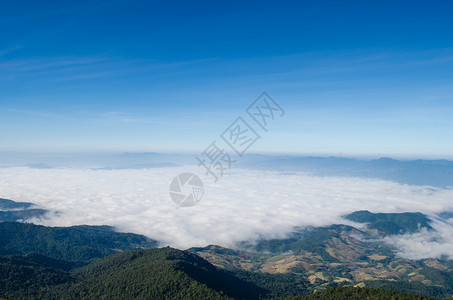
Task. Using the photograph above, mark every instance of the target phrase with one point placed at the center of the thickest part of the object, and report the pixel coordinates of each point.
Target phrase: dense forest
(77, 243)
(356, 293)
(143, 274)
(160, 273)
(95, 262)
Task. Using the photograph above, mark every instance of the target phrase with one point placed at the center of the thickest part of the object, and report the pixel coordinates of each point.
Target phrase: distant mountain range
(437, 173)
(95, 160)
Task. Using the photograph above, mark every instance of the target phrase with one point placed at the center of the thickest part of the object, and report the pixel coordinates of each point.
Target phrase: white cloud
(425, 244)
(243, 205)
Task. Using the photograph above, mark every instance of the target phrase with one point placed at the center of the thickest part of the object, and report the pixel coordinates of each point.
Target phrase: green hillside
(311, 239)
(95, 262)
(391, 223)
(338, 255)
(155, 274)
(29, 276)
(161, 273)
(78, 243)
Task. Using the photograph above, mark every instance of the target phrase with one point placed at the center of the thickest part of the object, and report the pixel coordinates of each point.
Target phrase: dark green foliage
(159, 268)
(48, 262)
(391, 223)
(353, 293)
(29, 276)
(78, 243)
(157, 274)
(438, 277)
(413, 287)
(163, 273)
(275, 285)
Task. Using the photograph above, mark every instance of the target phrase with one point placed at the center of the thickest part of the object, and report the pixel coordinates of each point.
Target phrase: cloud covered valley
(244, 205)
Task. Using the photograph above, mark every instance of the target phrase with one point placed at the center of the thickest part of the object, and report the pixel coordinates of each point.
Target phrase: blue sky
(354, 77)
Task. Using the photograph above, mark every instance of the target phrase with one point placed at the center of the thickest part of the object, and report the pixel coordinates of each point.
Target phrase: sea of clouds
(244, 205)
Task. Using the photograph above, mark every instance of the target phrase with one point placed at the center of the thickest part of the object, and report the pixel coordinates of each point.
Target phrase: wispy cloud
(34, 113)
(19, 67)
(9, 50)
(426, 244)
(60, 69)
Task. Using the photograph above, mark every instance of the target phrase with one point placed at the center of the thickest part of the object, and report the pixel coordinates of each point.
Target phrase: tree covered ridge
(78, 243)
(391, 223)
(159, 273)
